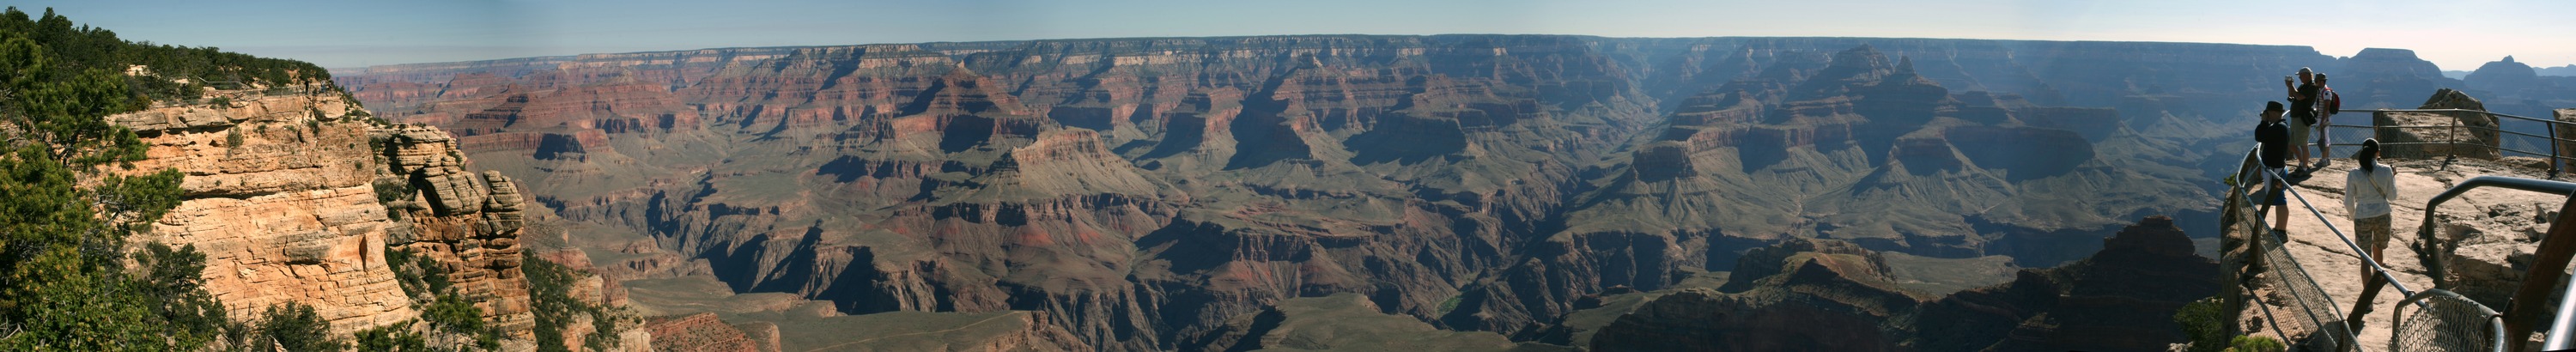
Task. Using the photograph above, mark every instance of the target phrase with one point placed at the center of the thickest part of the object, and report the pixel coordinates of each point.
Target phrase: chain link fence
(2445, 321)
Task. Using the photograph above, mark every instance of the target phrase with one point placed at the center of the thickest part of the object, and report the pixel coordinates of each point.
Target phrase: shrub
(63, 281)
(2255, 344)
(419, 275)
(295, 327)
(454, 315)
(2202, 322)
(549, 287)
(391, 338)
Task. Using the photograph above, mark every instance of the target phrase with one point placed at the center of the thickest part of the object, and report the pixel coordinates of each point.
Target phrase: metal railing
(2554, 142)
(2305, 307)
(2443, 321)
(2447, 322)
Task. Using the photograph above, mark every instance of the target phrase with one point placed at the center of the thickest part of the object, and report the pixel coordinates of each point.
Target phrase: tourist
(2303, 100)
(2367, 189)
(2327, 105)
(2275, 140)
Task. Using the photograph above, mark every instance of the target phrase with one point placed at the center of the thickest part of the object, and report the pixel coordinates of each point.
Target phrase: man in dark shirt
(2275, 138)
(2303, 101)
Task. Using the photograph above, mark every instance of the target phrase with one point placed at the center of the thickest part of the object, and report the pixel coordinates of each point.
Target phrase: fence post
(2454, 151)
(2555, 148)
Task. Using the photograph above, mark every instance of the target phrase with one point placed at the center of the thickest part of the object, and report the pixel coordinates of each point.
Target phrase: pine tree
(62, 283)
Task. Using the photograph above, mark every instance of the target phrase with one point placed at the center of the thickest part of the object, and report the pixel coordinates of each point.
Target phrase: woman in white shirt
(2366, 192)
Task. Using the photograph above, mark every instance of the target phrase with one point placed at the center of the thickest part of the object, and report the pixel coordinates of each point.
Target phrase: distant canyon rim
(1151, 194)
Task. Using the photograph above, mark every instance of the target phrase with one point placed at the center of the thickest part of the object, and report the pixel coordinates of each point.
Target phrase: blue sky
(2458, 35)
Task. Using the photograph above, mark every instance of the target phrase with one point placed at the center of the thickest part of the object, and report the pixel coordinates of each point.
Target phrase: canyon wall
(296, 196)
(278, 197)
(1146, 193)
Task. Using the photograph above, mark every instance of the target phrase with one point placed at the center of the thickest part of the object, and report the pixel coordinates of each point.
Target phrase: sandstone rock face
(286, 214)
(1143, 193)
(282, 193)
(471, 225)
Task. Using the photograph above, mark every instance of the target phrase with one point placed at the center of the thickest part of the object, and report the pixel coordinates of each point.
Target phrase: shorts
(2373, 232)
(2299, 133)
(2274, 185)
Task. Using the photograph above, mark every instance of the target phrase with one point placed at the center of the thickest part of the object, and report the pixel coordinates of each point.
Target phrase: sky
(2457, 35)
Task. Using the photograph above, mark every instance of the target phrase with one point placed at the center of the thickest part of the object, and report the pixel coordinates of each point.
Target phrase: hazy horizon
(2455, 36)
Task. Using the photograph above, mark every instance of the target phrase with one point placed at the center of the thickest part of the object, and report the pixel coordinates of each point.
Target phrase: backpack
(2328, 102)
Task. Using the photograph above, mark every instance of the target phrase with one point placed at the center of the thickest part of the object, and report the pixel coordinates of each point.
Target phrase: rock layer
(278, 199)
(471, 225)
(1144, 192)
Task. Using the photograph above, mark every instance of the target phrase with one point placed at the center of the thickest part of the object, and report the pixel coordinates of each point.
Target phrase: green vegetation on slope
(178, 72)
(549, 286)
(62, 241)
(452, 320)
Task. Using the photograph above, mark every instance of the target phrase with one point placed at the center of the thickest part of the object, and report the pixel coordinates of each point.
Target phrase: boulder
(2474, 136)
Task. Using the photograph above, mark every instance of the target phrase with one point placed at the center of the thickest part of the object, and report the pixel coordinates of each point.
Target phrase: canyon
(1482, 192)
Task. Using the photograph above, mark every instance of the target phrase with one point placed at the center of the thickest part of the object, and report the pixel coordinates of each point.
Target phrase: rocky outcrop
(278, 199)
(703, 332)
(471, 222)
(2120, 299)
(2476, 137)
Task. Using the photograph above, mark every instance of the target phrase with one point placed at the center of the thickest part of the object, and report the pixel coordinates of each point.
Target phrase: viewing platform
(2480, 245)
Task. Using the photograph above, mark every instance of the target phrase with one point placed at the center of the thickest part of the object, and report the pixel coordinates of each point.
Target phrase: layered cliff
(1145, 193)
(297, 198)
(279, 197)
(471, 223)
(1860, 148)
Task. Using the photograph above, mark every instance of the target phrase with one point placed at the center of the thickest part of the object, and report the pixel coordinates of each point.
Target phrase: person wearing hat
(2275, 139)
